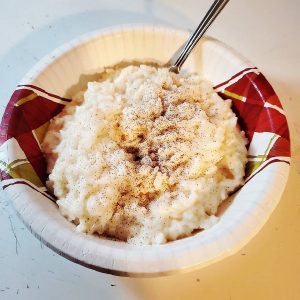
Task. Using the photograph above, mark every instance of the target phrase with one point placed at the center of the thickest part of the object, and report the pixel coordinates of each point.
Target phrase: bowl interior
(45, 90)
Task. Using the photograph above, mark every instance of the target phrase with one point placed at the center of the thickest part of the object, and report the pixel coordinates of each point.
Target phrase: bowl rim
(68, 46)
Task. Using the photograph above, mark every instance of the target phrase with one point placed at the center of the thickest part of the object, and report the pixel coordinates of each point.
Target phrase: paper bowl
(47, 87)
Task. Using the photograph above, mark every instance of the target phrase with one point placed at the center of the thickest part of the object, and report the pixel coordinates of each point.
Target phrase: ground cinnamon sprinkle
(146, 156)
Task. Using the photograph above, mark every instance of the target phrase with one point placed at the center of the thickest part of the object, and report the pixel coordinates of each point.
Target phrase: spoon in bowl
(180, 56)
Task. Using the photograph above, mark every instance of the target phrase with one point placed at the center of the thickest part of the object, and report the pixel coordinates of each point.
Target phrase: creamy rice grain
(146, 157)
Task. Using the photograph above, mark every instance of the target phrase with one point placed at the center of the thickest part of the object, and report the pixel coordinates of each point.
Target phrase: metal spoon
(180, 56)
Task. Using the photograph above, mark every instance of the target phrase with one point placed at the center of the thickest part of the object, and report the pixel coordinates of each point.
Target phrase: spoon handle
(177, 60)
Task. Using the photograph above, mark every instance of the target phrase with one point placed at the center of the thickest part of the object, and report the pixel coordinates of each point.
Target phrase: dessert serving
(144, 155)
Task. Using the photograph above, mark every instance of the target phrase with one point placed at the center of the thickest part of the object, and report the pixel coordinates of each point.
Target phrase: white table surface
(266, 32)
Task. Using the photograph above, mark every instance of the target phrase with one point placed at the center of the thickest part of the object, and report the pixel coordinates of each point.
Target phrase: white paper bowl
(252, 95)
